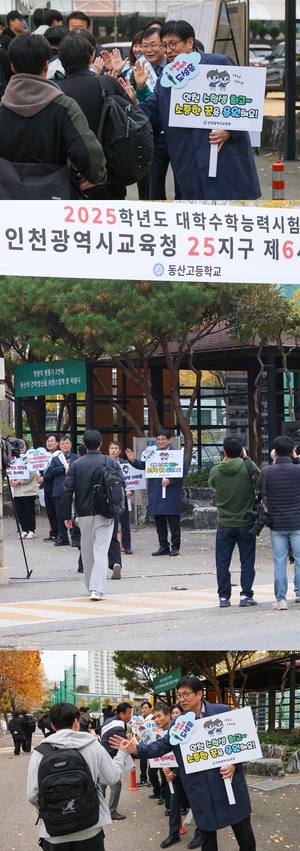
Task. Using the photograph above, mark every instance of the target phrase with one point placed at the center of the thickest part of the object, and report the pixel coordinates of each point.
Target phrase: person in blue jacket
(167, 508)
(205, 789)
(189, 148)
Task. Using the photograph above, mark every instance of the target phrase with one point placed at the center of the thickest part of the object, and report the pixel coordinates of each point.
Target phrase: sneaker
(30, 535)
(127, 551)
(247, 601)
(297, 599)
(95, 596)
(281, 605)
(224, 603)
(24, 534)
(116, 573)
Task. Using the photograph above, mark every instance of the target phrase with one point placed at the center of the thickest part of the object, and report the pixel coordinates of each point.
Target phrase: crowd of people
(52, 101)
(247, 499)
(104, 758)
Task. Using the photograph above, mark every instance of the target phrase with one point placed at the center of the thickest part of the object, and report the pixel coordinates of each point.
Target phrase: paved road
(157, 602)
(275, 815)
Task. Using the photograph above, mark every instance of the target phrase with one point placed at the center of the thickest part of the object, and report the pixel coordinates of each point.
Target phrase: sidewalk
(150, 604)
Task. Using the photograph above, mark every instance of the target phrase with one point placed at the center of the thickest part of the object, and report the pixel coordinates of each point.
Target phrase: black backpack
(31, 725)
(109, 494)
(34, 181)
(68, 798)
(126, 136)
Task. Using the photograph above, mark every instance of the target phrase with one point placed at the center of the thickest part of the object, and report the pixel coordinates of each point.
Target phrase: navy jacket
(189, 151)
(112, 727)
(171, 504)
(206, 789)
(281, 482)
(56, 473)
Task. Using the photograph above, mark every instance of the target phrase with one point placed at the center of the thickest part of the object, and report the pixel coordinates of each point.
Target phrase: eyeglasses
(184, 694)
(170, 45)
(151, 46)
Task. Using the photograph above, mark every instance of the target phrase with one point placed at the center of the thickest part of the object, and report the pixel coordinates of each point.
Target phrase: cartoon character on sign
(213, 78)
(212, 726)
(224, 79)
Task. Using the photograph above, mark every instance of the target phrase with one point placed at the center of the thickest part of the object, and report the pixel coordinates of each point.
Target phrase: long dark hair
(137, 39)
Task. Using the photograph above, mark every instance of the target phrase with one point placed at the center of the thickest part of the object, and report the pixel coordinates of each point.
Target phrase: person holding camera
(234, 482)
(281, 484)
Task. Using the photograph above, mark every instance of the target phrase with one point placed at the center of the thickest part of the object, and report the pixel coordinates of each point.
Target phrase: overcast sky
(55, 662)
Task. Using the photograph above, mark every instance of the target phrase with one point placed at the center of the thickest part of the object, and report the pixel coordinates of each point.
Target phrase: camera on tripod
(261, 517)
(10, 448)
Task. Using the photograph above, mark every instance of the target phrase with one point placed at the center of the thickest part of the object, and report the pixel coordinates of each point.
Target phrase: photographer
(234, 481)
(281, 484)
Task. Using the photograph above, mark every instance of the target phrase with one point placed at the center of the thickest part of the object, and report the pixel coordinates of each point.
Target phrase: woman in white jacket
(25, 492)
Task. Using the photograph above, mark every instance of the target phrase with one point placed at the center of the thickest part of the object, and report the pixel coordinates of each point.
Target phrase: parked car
(124, 47)
(260, 52)
(255, 61)
(276, 70)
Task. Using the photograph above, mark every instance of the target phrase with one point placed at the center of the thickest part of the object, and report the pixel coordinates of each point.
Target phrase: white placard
(224, 97)
(18, 471)
(218, 740)
(134, 479)
(166, 760)
(38, 459)
(192, 241)
(129, 763)
(152, 79)
(165, 464)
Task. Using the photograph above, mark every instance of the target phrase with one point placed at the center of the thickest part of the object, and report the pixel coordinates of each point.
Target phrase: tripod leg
(29, 572)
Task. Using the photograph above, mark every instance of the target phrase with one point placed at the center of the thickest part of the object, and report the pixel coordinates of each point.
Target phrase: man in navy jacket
(189, 149)
(56, 473)
(205, 789)
(167, 508)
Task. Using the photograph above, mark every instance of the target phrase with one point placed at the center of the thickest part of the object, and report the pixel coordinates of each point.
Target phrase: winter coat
(189, 151)
(171, 503)
(281, 482)
(234, 491)
(37, 121)
(80, 479)
(112, 727)
(27, 487)
(6, 37)
(206, 789)
(104, 771)
(17, 728)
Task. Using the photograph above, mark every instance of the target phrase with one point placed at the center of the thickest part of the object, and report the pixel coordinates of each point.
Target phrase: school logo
(158, 269)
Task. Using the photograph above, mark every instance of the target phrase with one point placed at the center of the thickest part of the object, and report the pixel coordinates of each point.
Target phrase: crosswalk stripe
(34, 611)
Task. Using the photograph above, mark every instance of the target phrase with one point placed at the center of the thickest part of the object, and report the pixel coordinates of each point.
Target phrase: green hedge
(198, 479)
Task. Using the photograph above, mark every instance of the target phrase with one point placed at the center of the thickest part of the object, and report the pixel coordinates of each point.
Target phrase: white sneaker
(281, 605)
(24, 534)
(95, 596)
(30, 535)
(116, 573)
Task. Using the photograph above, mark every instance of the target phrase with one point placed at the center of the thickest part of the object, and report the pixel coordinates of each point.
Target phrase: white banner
(192, 241)
(165, 464)
(219, 740)
(215, 96)
(38, 459)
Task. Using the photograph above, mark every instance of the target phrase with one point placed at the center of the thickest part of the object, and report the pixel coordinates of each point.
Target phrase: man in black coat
(281, 485)
(17, 728)
(76, 54)
(14, 27)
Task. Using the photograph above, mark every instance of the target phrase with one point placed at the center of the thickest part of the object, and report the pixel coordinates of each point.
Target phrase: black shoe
(50, 538)
(59, 543)
(79, 569)
(128, 551)
(142, 783)
(174, 552)
(170, 841)
(153, 796)
(162, 551)
(167, 812)
(162, 801)
(195, 843)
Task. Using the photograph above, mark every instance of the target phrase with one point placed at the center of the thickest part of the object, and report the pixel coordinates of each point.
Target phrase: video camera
(10, 448)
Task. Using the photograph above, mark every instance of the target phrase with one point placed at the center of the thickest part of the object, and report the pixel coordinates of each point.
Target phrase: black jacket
(281, 482)
(37, 121)
(80, 479)
(17, 728)
(6, 38)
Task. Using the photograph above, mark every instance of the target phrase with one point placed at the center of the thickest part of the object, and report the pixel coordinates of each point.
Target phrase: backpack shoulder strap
(45, 747)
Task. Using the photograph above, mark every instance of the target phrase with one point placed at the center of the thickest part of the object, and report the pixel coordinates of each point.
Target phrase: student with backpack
(64, 784)
(99, 487)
